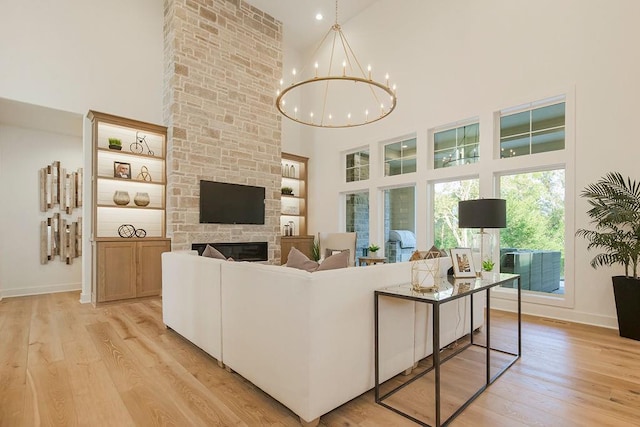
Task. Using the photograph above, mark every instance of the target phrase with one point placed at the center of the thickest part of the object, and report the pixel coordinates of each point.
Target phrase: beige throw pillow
(211, 252)
(297, 259)
(329, 252)
(339, 260)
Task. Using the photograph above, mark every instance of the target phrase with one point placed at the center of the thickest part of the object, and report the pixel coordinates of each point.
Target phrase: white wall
(459, 59)
(23, 152)
(80, 55)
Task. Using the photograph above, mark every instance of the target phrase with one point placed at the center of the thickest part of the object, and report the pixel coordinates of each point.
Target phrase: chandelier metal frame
(352, 62)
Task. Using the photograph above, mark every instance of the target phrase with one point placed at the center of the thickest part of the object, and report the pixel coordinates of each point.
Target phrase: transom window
(535, 130)
(358, 166)
(400, 157)
(458, 146)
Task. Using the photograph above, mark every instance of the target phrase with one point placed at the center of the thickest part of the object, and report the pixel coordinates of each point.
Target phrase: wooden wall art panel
(60, 191)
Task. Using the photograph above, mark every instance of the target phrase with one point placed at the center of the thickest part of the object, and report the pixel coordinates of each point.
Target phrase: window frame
(346, 169)
(461, 124)
(401, 158)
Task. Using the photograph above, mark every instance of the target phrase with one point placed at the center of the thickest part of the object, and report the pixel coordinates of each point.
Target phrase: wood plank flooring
(64, 364)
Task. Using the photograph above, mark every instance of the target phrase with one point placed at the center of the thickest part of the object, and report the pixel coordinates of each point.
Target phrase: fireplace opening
(239, 251)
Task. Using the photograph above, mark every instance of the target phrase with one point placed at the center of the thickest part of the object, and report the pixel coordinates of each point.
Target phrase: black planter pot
(627, 293)
(115, 147)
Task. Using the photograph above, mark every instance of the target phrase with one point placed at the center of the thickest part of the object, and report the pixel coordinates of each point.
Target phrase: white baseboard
(559, 313)
(85, 298)
(39, 290)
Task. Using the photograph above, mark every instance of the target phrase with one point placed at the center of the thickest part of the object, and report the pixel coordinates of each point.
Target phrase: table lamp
(482, 213)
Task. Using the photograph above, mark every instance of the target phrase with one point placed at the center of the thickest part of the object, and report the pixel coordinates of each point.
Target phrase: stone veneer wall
(223, 59)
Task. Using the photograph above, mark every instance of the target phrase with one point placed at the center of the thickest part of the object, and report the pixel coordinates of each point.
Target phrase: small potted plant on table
(373, 250)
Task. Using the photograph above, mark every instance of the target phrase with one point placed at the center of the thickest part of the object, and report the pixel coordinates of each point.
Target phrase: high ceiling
(301, 30)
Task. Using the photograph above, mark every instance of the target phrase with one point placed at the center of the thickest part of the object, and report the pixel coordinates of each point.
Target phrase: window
(457, 146)
(358, 166)
(445, 215)
(400, 157)
(533, 244)
(399, 223)
(535, 130)
(357, 219)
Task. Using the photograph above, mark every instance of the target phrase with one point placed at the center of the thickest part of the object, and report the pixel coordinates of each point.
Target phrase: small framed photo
(121, 170)
(462, 263)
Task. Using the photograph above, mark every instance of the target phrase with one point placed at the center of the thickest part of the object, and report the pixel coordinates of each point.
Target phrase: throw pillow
(329, 252)
(339, 260)
(211, 252)
(297, 259)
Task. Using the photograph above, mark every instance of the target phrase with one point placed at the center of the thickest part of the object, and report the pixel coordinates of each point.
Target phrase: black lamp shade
(482, 213)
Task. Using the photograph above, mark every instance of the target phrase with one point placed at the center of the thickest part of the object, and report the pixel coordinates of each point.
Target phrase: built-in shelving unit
(294, 206)
(128, 267)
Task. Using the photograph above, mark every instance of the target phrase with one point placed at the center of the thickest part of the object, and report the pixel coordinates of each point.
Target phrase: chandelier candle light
(344, 96)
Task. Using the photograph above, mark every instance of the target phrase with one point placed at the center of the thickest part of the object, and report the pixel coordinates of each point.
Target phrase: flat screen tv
(224, 203)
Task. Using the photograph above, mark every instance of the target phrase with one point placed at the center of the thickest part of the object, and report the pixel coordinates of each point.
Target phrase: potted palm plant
(615, 214)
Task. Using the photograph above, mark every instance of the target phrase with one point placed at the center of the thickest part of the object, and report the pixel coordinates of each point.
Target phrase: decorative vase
(373, 254)
(121, 198)
(141, 199)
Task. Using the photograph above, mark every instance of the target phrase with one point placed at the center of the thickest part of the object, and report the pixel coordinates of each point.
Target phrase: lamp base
(482, 251)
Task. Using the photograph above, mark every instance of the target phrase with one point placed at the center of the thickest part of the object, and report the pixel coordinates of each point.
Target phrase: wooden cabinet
(303, 243)
(129, 269)
(129, 207)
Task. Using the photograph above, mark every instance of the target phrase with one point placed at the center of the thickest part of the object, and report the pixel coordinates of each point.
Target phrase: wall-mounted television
(224, 203)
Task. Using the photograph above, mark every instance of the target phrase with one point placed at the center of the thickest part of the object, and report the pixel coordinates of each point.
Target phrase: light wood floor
(63, 363)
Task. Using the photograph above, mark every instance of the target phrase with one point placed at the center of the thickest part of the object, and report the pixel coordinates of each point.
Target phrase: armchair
(330, 242)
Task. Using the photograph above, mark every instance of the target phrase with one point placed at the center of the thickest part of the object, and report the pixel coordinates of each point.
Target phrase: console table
(449, 289)
(368, 260)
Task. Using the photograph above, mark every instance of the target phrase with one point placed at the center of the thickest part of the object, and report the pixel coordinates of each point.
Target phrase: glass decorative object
(141, 199)
(121, 198)
(425, 269)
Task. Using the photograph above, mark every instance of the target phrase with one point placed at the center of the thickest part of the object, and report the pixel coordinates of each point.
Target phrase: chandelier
(337, 93)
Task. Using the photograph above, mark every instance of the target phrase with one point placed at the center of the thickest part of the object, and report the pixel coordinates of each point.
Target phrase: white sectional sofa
(306, 339)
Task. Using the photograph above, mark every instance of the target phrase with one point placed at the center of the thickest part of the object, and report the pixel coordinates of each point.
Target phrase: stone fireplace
(223, 60)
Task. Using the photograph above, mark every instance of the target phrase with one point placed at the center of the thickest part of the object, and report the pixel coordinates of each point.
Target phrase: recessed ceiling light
(319, 17)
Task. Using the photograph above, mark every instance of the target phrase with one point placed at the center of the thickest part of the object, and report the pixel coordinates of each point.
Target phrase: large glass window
(358, 166)
(458, 146)
(533, 131)
(357, 219)
(399, 223)
(533, 244)
(400, 157)
(447, 235)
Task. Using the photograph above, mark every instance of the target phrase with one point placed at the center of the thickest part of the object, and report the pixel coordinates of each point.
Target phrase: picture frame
(462, 263)
(461, 286)
(122, 170)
